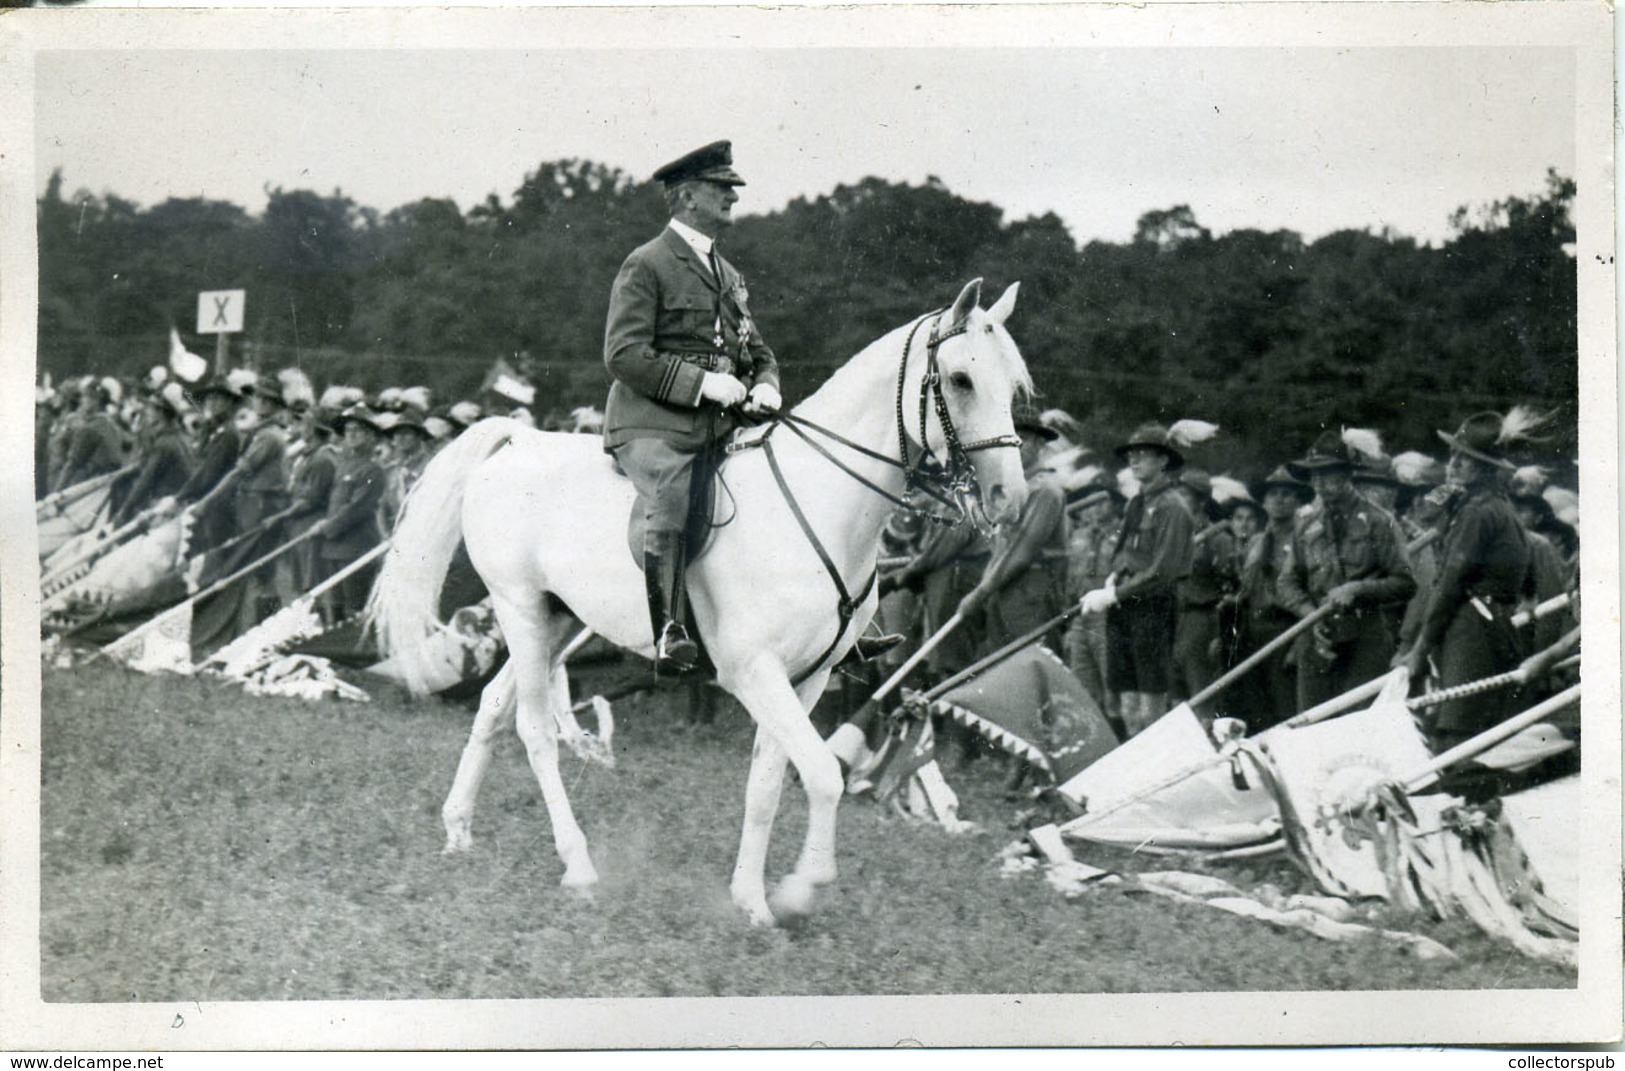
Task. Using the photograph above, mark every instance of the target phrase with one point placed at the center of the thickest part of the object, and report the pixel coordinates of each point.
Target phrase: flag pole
(217, 586)
(1260, 655)
(54, 581)
(1015, 645)
(917, 657)
(58, 500)
(304, 601)
(1490, 737)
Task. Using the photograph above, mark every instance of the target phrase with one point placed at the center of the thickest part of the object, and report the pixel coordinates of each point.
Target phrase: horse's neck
(858, 403)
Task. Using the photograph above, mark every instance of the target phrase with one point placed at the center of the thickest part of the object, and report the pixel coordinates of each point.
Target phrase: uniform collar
(698, 242)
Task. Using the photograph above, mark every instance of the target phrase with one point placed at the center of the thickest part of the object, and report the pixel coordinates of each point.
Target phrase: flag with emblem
(1032, 706)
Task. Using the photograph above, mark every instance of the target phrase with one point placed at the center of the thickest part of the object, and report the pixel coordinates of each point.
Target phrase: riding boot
(675, 653)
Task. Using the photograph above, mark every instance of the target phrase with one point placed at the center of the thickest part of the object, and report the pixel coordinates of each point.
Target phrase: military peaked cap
(712, 163)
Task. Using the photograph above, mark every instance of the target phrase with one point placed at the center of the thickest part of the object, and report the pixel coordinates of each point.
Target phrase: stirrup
(674, 651)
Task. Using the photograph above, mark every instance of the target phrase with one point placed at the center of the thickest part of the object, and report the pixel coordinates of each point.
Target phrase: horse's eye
(960, 381)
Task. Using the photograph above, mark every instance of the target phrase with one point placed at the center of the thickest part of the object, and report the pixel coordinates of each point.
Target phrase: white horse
(546, 514)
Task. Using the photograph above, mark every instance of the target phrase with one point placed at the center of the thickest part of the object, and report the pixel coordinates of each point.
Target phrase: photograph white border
(1591, 1012)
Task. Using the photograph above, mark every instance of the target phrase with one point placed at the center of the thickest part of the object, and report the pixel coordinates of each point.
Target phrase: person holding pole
(1350, 555)
(1484, 569)
(1268, 695)
(216, 457)
(1095, 509)
(168, 459)
(350, 528)
(1153, 553)
(1022, 584)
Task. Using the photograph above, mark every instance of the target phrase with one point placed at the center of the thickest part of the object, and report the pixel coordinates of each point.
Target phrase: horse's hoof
(793, 897)
(457, 844)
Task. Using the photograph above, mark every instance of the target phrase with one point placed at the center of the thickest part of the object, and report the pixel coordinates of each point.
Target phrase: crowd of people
(1179, 575)
(248, 453)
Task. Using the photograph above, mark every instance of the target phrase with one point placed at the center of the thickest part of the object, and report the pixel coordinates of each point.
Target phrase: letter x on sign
(220, 312)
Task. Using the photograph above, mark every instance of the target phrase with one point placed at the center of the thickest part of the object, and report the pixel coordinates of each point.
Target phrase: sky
(1306, 139)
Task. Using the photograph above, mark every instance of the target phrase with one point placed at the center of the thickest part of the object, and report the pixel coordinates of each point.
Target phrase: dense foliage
(1263, 332)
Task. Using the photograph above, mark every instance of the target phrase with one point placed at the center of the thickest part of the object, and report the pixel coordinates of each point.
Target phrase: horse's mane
(889, 348)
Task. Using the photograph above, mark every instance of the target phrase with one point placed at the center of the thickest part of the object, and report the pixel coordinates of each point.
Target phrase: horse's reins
(958, 482)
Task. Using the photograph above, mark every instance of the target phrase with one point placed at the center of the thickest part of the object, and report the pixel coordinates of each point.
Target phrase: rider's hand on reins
(724, 389)
(762, 400)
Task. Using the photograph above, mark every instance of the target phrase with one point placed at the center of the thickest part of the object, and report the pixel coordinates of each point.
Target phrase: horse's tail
(405, 601)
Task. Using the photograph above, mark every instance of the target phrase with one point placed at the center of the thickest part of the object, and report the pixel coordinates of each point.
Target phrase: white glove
(1098, 600)
(763, 398)
(721, 388)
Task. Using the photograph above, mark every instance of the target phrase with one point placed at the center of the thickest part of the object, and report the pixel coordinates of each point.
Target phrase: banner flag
(1032, 706)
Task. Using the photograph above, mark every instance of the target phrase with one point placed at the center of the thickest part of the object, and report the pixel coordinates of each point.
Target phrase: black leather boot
(675, 653)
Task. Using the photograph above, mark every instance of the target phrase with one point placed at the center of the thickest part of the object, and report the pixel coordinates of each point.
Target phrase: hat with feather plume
(1491, 437)
(1181, 435)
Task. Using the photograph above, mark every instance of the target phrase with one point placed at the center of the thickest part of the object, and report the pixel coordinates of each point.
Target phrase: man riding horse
(685, 353)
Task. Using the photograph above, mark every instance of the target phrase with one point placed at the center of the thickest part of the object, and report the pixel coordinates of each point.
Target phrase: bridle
(952, 484)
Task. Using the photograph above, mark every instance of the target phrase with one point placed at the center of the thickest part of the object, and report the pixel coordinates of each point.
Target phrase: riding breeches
(662, 474)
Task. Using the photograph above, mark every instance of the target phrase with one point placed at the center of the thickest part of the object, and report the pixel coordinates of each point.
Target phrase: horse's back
(548, 512)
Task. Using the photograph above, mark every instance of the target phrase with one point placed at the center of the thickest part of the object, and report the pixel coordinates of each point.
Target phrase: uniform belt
(710, 362)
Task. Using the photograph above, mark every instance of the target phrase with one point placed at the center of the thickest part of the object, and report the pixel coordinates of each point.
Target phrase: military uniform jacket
(1360, 543)
(1482, 554)
(1089, 549)
(1156, 546)
(167, 466)
(1037, 539)
(313, 483)
(1268, 555)
(1215, 569)
(97, 446)
(218, 455)
(670, 323)
(352, 509)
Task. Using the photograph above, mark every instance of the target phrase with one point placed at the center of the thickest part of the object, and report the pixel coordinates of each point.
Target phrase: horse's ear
(1005, 305)
(968, 299)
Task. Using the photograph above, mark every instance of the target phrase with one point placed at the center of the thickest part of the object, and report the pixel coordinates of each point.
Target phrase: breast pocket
(687, 318)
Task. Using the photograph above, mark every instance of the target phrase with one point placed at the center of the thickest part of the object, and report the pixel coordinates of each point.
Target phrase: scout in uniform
(350, 528)
(217, 455)
(1153, 554)
(1023, 582)
(1349, 554)
(168, 459)
(1484, 569)
(1095, 510)
(97, 445)
(1268, 694)
(684, 352)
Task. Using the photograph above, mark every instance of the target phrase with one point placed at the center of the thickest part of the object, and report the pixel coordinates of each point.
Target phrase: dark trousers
(1366, 643)
(1140, 643)
(1267, 694)
(1023, 605)
(1195, 662)
(1473, 648)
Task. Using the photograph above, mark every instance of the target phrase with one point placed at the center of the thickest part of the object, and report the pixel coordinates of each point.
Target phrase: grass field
(202, 844)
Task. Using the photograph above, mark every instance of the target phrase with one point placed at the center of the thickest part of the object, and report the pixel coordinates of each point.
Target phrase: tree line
(1269, 335)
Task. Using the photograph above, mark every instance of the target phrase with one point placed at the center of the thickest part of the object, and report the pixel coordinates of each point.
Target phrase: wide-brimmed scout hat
(1491, 437)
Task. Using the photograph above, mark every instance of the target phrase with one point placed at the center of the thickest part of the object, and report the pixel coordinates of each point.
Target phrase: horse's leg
(762, 789)
(537, 681)
(761, 685)
(495, 714)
